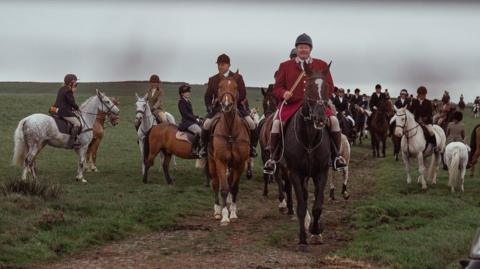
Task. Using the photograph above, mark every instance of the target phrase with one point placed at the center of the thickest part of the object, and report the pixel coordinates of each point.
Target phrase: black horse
(307, 153)
(360, 119)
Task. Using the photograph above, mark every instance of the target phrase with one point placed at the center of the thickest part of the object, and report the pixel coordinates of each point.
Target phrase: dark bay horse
(307, 153)
(474, 149)
(358, 114)
(281, 173)
(379, 126)
(229, 151)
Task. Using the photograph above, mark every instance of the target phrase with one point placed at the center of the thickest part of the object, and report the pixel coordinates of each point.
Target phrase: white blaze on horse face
(319, 83)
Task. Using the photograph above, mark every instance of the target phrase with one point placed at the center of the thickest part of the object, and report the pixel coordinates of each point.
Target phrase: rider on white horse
(422, 109)
(66, 108)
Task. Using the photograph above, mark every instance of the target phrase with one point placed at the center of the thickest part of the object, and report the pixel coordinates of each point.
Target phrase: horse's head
(316, 91)
(269, 100)
(227, 92)
(141, 108)
(400, 119)
(112, 117)
(106, 105)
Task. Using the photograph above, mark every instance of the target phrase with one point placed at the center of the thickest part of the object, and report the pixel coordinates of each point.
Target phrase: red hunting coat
(286, 76)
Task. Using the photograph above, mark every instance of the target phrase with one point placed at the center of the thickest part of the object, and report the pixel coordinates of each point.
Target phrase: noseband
(404, 125)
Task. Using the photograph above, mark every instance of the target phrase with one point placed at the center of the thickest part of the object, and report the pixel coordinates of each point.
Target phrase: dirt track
(262, 237)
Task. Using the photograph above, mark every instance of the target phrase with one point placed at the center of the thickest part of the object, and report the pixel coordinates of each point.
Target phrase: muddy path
(262, 237)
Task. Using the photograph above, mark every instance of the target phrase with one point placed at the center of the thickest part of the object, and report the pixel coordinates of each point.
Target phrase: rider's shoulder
(288, 63)
(319, 62)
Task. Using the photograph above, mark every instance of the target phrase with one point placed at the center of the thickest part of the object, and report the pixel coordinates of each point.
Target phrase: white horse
(413, 145)
(146, 120)
(344, 151)
(38, 130)
(456, 159)
(476, 110)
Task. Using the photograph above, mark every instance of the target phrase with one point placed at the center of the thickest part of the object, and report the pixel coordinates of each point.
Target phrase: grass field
(395, 225)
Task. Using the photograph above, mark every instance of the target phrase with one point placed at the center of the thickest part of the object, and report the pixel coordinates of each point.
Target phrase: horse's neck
(89, 112)
(101, 117)
(229, 120)
(147, 122)
(415, 131)
(308, 133)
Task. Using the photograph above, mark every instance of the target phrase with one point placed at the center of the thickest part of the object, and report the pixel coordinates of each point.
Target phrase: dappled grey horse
(38, 130)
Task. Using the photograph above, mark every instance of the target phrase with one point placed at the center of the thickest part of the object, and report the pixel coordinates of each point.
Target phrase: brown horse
(475, 149)
(379, 126)
(281, 173)
(163, 137)
(98, 132)
(229, 151)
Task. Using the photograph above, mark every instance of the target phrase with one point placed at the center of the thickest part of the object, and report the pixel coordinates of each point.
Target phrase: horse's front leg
(316, 227)
(384, 146)
(217, 209)
(234, 193)
(421, 170)
(331, 179)
(345, 192)
(288, 191)
(96, 146)
(302, 198)
(282, 206)
(81, 152)
(165, 165)
(406, 161)
(223, 173)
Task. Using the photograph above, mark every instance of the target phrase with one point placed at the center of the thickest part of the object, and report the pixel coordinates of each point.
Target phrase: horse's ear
(327, 70)
(136, 96)
(393, 119)
(263, 91)
(395, 108)
(97, 92)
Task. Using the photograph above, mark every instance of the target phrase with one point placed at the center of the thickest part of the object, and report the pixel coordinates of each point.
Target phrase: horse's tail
(20, 148)
(453, 170)
(473, 140)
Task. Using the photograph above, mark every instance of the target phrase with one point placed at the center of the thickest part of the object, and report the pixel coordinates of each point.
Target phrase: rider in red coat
(285, 78)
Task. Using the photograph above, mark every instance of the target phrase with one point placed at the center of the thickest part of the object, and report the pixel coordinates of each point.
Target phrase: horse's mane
(87, 101)
(473, 139)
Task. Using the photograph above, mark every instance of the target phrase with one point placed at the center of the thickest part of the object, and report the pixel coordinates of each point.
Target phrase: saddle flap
(64, 126)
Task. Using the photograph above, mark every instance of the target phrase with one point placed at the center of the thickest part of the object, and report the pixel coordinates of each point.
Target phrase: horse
(476, 110)
(308, 153)
(360, 119)
(344, 151)
(229, 151)
(414, 145)
(475, 149)
(456, 159)
(379, 126)
(461, 104)
(281, 173)
(98, 132)
(36, 131)
(158, 138)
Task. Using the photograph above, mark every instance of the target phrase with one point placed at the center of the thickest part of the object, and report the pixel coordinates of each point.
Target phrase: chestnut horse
(379, 126)
(98, 132)
(229, 151)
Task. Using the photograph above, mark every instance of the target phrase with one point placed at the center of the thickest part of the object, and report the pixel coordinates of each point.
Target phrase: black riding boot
(204, 138)
(275, 151)
(196, 146)
(253, 143)
(338, 162)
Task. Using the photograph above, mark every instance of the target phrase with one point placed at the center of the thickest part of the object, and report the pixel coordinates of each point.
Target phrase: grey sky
(397, 45)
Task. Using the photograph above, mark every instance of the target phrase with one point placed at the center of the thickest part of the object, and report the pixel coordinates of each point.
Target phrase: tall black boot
(253, 143)
(275, 151)
(73, 140)
(204, 139)
(196, 145)
(338, 162)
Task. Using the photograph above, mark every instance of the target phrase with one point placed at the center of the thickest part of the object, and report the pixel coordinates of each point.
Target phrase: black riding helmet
(184, 88)
(69, 78)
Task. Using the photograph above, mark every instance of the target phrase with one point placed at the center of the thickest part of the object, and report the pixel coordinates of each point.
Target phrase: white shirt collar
(226, 74)
(309, 60)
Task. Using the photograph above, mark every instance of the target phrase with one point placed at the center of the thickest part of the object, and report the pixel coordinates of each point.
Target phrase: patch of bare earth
(262, 237)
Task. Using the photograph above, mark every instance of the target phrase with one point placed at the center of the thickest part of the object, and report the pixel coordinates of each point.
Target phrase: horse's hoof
(316, 239)
(217, 216)
(302, 247)
(233, 216)
(224, 222)
(249, 174)
(346, 195)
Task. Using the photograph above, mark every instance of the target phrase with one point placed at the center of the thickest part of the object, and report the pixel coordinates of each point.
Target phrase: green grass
(114, 203)
(402, 227)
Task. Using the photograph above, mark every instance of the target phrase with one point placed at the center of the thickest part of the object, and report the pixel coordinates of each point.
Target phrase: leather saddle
(64, 126)
(186, 137)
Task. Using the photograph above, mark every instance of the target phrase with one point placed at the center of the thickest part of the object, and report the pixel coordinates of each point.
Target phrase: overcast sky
(400, 45)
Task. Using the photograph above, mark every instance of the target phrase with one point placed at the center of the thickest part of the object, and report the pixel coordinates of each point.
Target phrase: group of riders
(289, 87)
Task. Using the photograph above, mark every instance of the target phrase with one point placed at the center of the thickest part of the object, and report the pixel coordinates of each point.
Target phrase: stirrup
(339, 158)
(266, 169)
